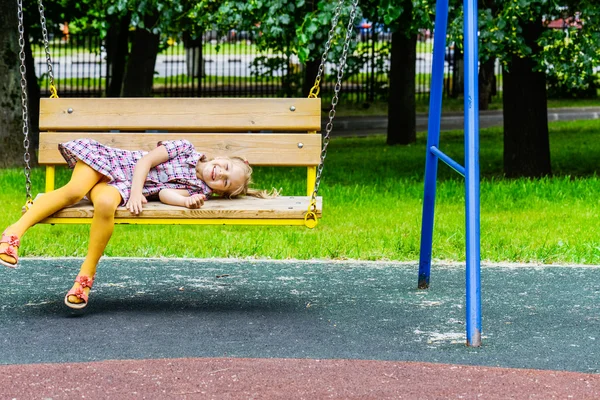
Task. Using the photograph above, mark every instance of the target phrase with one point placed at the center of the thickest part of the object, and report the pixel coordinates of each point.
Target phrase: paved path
(360, 126)
(210, 327)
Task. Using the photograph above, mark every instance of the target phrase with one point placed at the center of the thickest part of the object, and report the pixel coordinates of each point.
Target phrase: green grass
(372, 209)
(425, 47)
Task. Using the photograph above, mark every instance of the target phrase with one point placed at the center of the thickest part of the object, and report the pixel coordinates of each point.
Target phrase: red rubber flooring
(227, 378)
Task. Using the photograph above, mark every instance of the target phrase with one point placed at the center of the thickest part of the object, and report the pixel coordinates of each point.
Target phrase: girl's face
(222, 175)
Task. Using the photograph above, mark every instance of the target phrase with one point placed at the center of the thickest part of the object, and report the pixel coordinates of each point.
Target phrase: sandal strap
(11, 251)
(12, 240)
(13, 244)
(79, 293)
(84, 281)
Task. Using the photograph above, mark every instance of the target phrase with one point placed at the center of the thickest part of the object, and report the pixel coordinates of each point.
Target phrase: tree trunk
(526, 139)
(402, 115)
(458, 74)
(142, 60)
(194, 61)
(487, 83)
(117, 48)
(310, 73)
(487, 76)
(11, 132)
(290, 79)
(311, 68)
(33, 94)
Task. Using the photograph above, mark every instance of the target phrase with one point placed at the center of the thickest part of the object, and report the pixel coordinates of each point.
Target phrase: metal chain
(334, 101)
(314, 91)
(47, 49)
(24, 102)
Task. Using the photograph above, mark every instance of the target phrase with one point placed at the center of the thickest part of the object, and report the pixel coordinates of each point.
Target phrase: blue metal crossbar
(471, 169)
(450, 162)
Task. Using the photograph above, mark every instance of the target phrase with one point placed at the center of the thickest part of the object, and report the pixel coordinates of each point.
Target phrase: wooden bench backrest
(181, 114)
(217, 127)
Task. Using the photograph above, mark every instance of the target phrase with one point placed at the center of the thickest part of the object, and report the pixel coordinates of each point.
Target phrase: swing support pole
(471, 169)
(473, 279)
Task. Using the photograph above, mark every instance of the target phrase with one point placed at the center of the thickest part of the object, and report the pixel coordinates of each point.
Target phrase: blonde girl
(110, 177)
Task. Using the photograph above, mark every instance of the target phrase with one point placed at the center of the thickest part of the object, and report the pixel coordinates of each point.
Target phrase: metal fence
(232, 67)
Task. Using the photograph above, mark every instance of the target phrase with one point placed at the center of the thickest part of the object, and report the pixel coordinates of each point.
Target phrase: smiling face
(224, 175)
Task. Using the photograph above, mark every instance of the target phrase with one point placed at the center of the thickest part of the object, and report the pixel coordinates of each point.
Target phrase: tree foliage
(291, 26)
(568, 55)
(389, 12)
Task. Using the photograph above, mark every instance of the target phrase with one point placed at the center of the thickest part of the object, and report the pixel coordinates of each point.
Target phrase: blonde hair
(245, 190)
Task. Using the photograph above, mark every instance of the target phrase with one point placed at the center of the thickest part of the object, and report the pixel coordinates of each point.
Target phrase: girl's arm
(140, 173)
(181, 197)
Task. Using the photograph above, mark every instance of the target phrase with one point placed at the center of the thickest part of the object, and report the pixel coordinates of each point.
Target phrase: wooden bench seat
(290, 210)
(267, 132)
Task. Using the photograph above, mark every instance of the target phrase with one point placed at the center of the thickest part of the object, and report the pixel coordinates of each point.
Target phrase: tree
(11, 133)
(526, 139)
(487, 76)
(152, 22)
(402, 115)
(516, 32)
(289, 27)
(117, 50)
(514, 36)
(139, 72)
(148, 19)
(405, 18)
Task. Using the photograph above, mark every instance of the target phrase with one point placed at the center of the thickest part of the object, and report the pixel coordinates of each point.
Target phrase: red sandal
(13, 244)
(84, 282)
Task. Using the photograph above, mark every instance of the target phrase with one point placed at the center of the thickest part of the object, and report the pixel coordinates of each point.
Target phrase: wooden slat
(259, 149)
(181, 114)
(290, 207)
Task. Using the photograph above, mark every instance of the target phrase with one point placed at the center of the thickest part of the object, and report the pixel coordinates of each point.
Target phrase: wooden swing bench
(279, 132)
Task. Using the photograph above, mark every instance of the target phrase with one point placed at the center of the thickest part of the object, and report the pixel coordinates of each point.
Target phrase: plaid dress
(179, 172)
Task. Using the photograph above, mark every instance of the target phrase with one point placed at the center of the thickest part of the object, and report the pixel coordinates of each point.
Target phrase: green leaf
(311, 27)
(284, 19)
(303, 53)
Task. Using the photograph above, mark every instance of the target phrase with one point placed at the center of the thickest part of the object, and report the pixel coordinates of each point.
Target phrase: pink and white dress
(179, 172)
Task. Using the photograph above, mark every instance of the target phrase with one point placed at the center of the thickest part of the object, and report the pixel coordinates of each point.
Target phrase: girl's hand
(195, 201)
(134, 205)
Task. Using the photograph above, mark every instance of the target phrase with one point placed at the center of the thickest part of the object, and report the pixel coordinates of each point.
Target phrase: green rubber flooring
(533, 317)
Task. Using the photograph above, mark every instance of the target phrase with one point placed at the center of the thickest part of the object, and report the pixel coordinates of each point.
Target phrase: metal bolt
(70, 111)
(292, 108)
(300, 145)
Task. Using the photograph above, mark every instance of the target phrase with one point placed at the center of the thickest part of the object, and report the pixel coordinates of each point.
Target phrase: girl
(111, 177)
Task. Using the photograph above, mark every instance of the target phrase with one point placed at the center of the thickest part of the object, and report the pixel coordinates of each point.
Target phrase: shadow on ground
(533, 317)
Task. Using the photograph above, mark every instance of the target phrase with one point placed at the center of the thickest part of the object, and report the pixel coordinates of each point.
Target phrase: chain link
(24, 102)
(334, 101)
(314, 91)
(47, 49)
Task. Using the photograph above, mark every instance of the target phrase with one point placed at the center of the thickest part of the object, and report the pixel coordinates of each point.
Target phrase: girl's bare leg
(83, 179)
(106, 199)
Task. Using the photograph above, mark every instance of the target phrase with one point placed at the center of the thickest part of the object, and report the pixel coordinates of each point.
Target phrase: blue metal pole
(433, 139)
(473, 280)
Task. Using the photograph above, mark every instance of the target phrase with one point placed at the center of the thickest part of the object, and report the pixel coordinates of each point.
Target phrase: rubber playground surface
(181, 328)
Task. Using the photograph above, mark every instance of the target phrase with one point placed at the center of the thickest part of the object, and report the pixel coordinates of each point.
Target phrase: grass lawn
(372, 209)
